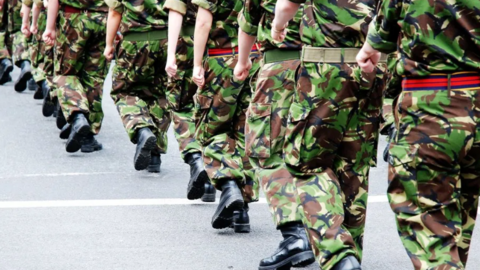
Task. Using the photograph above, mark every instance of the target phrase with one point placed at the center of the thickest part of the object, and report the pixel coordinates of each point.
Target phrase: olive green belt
(187, 31)
(280, 55)
(333, 55)
(147, 36)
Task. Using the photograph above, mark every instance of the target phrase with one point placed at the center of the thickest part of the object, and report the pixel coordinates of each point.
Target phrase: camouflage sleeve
(28, 3)
(249, 17)
(298, 1)
(210, 5)
(115, 5)
(38, 3)
(179, 6)
(384, 29)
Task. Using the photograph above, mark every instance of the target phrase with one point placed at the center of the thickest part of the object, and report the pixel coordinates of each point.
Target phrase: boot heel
(303, 259)
(241, 228)
(208, 198)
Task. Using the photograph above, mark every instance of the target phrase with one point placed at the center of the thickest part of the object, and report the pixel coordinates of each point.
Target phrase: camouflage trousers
(330, 144)
(434, 175)
(5, 40)
(264, 137)
(80, 65)
(139, 83)
(39, 51)
(220, 108)
(20, 49)
(180, 92)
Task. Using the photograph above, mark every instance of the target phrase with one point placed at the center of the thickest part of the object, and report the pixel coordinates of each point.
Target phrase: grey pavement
(35, 167)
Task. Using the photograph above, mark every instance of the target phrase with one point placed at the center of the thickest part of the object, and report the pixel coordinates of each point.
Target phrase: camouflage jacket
(256, 18)
(92, 5)
(184, 7)
(436, 36)
(140, 15)
(336, 23)
(14, 18)
(224, 33)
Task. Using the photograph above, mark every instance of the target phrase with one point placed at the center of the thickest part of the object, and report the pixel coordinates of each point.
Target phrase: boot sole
(75, 142)
(153, 169)
(21, 83)
(48, 107)
(64, 134)
(87, 149)
(38, 94)
(208, 197)
(5, 76)
(298, 260)
(196, 186)
(224, 218)
(61, 121)
(241, 228)
(142, 159)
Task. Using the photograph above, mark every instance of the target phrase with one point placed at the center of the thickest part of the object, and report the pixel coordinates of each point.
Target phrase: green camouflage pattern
(224, 33)
(180, 92)
(80, 66)
(220, 108)
(38, 50)
(20, 48)
(91, 5)
(139, 83)
(140, 15)
(336, 23)
(265, 133)
(14, 19)
(256, 18)
(184, 7)
(330, 145)
(434, 180)
(5, 40)
(433, 38)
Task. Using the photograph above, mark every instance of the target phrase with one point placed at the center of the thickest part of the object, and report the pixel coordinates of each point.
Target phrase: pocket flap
(402, 154)
(258, 110)
(298, 112)
(203, 102)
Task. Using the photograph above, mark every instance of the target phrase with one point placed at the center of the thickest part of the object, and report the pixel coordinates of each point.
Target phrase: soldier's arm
(113, 23)
(49, 35)
(200, 38)
(26, 19)
(248, 20)
(35, 13)
(285, 10)
(177, 9)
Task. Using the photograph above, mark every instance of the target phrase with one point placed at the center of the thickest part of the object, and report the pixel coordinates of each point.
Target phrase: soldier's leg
(265, 132)
(22, 60)
(325, 101)
(180, 92)
(6, 65)
(435, 134)
(38, 58)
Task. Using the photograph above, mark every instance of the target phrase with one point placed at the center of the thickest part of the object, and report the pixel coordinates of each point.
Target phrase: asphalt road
(94, 211)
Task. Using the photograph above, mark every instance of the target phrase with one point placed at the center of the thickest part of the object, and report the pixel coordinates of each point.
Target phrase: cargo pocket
(258, 130)
(202, 107)
(295, 136)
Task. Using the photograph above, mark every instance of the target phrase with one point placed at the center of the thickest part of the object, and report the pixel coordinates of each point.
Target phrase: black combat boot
(210, 192)
(231, 200)
(33, 86)
(241, 220)
(390, 136)
(146, 142)
(48, 107)
(65, 132)
(25, 75)
(90, 144)
(61, 121)
(348, 263)
(155, 162)
(80, 131)
(55, 110)
(293, 250)
(6, 67)
(198, 176)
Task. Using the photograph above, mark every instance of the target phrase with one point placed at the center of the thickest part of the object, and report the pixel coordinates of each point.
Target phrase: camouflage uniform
(81, 68)
(268, 111)
(332, 132)
(5, 45)
(39, 51)
(139, 77)
(222, 103)
(434, 179)
(19, 41)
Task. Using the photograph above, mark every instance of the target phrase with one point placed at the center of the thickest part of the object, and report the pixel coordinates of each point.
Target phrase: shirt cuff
(176, 5)
(206, 5)
(28, 3)
(115, 5)
(247, 27)
(297, 1)
(374, 38)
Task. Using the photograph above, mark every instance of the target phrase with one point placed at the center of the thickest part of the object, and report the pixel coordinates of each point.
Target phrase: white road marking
(124, 202)
(59, 174)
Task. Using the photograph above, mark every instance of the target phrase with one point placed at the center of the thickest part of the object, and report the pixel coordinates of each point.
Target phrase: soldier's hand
(171, 66)
(49, 36)
(242, 70)
(368, 58)
(278, 33)
(26, 31)
(1, 4)
(109, 52)
(34, 29)
(199, 76)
